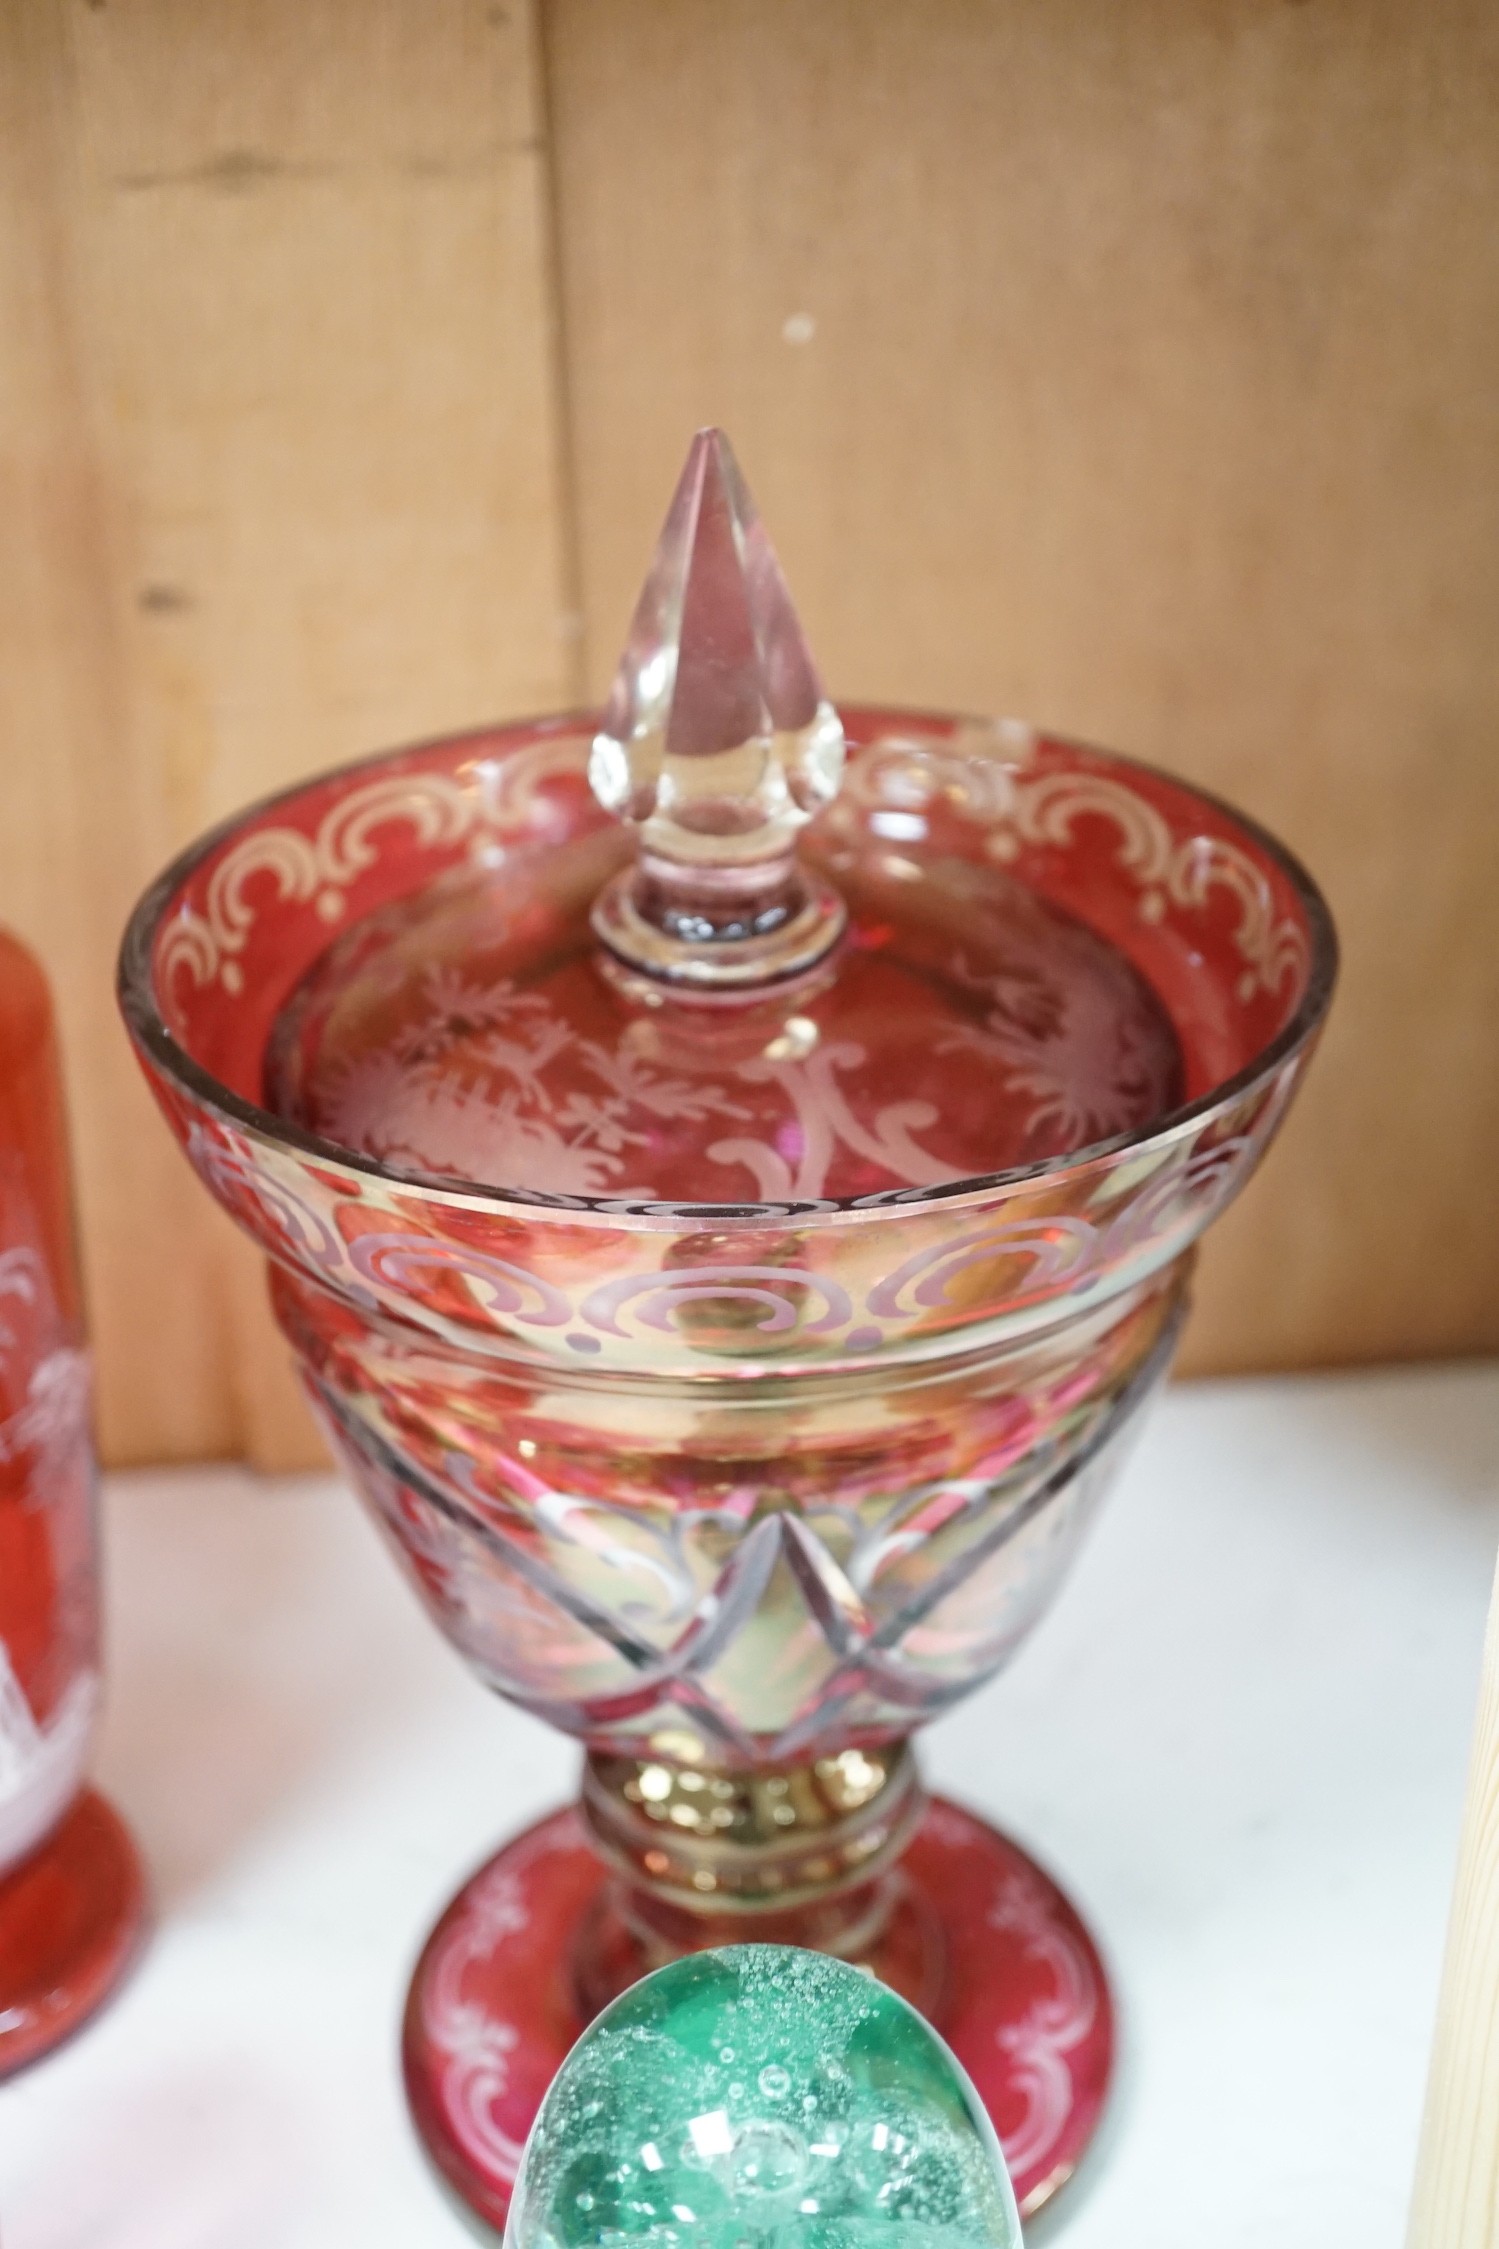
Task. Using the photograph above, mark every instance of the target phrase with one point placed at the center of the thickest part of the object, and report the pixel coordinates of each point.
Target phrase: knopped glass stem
(718, 927)
(807, 1854)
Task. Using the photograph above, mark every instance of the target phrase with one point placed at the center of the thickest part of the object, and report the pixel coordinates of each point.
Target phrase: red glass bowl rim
(136, 992)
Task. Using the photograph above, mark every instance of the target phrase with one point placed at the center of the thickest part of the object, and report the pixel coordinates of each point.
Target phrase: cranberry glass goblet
(730, 1266)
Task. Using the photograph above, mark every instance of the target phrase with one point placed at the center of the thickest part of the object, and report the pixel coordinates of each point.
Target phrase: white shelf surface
(1240, 1738)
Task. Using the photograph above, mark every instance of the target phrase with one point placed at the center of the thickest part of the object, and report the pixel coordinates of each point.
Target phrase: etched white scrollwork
(403, 1263)
(826, 1122)
(475, 2045)
(1054, 2025)
(504, 797)
(1024, 804)
(1057, 1249)
(244, 1180)
(304, 868)
(472, 2046)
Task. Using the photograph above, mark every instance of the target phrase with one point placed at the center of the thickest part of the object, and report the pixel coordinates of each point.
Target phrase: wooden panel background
(281, 484)
(1130, 368)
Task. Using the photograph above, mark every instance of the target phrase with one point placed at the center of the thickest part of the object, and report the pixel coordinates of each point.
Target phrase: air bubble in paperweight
(757, 2097)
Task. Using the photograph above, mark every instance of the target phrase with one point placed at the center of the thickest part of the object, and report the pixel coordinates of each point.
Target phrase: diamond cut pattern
(776, 1652)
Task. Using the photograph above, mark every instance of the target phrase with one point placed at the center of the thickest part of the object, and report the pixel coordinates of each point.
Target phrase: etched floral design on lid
(697, 1009)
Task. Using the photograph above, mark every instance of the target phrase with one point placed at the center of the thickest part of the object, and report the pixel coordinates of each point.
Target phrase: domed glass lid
(688, 1006)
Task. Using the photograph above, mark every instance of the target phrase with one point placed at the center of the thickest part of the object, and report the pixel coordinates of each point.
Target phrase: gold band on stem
(744, 1843)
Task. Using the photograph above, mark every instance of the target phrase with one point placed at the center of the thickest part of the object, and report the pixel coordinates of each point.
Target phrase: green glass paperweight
(759, 2096)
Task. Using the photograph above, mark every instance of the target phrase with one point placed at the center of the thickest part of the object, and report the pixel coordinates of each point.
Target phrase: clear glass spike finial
(718, 743)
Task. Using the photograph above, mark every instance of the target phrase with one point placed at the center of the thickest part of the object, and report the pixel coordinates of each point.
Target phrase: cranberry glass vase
(730, 1269)
(71, 1898)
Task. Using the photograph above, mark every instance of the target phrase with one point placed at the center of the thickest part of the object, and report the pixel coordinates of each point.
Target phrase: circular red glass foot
(492, 2008)
(71, 1917)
